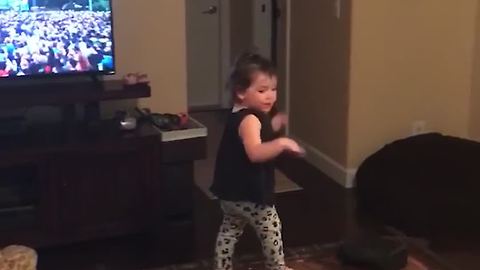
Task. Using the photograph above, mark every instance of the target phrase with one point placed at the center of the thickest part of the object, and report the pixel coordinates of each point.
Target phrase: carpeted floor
(313, 257)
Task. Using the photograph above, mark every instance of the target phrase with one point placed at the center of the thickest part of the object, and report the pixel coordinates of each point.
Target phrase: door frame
(225, 54)
(288, 30)
(261, 19)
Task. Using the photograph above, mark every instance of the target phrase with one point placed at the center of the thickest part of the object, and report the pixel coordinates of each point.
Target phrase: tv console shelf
(78, 186)
(66, 93)
(70, 181)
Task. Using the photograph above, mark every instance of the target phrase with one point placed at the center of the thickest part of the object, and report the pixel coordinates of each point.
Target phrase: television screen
(40, 37)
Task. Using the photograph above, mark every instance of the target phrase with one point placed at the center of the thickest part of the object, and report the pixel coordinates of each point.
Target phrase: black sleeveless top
(236, 178)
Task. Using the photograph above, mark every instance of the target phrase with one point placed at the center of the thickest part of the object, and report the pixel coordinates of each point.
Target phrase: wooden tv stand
(80, 184)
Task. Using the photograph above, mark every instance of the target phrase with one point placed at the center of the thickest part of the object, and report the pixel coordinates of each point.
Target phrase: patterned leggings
(264, 219)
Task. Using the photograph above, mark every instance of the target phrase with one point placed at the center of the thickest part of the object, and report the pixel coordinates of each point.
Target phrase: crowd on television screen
(55, 41)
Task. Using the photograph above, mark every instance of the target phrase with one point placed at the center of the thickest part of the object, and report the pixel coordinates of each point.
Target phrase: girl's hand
(292, 147)
(279, 121)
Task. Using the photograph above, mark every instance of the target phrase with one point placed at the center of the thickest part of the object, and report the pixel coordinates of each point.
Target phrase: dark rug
(313, 257)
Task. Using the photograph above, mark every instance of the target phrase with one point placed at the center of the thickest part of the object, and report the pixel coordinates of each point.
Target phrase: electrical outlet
(419, 127)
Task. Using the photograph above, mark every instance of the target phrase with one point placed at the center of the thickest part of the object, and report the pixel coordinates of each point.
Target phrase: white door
(262, 26)
(203, 53)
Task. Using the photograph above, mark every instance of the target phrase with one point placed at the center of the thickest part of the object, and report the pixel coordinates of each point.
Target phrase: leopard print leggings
(264, 219)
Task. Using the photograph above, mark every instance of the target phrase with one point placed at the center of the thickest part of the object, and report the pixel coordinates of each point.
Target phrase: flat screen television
(56, 37)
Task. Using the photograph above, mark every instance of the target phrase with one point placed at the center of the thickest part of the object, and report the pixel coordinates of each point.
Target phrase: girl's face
(262, 93)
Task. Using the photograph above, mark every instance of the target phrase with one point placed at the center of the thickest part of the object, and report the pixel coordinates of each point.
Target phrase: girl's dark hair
(245, 67)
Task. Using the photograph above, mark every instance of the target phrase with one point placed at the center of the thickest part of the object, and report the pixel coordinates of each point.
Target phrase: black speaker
(374, 253)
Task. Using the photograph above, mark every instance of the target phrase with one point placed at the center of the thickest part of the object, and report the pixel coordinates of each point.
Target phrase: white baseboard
(342, 175)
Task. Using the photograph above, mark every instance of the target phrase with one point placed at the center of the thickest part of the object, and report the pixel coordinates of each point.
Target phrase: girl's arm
(257, 152)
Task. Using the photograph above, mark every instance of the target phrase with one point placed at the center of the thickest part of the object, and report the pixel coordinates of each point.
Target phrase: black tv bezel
(73, 73)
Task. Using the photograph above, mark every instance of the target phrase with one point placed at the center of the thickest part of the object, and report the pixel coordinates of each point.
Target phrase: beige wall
(150, 37)
(474, 128)
(319, 76)
(411, 60)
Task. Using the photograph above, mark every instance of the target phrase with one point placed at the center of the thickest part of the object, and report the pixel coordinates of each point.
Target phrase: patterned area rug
(313, 257)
